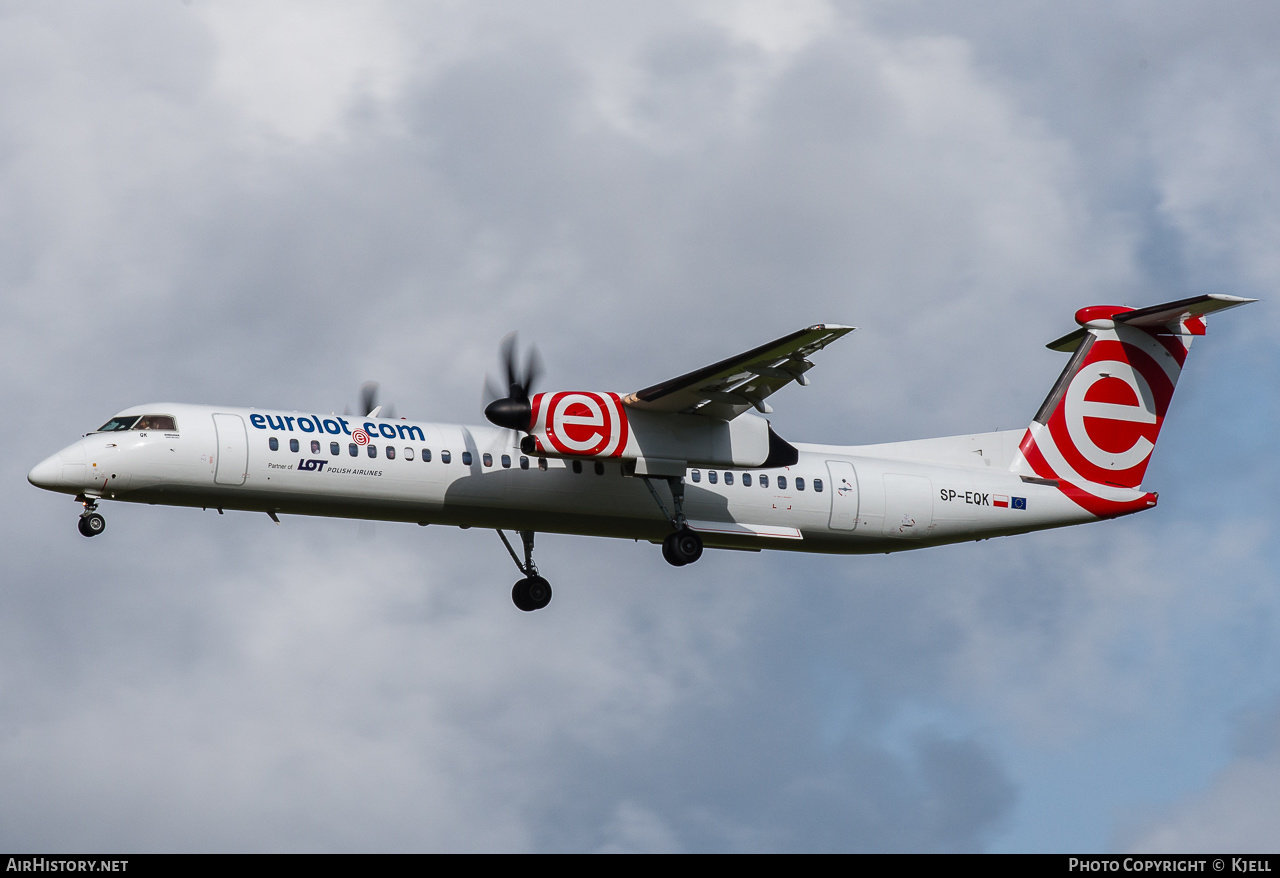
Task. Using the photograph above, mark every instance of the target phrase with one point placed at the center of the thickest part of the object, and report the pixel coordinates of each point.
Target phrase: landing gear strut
(91, 523)
(533, 592)
(684, 546)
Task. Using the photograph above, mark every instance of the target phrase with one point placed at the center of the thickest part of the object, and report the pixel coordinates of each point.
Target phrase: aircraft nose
(63, 471)
(47, 473)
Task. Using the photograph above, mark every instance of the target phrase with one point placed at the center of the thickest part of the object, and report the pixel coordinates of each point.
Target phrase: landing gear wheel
(91, 524)
(531, 593)
(669, 553)
(682, 547)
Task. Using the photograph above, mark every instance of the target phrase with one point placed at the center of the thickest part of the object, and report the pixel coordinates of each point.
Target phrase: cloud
(1236, 813)
(210, 202)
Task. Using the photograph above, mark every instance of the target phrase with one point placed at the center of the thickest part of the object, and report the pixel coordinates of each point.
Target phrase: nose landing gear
(91, 523)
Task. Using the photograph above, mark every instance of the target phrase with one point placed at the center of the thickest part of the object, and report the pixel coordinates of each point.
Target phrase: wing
(728, 388)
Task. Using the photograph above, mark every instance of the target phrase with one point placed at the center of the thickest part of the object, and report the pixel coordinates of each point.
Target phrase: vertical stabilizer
(1096, 430)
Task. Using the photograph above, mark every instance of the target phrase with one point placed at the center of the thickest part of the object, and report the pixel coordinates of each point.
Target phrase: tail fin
(1096, 430)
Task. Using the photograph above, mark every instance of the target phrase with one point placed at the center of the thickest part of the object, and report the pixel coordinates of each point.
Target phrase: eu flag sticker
(1018, 503)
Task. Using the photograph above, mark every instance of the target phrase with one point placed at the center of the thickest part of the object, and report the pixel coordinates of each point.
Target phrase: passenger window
(817, 485)
(293, 444)
(799, 483)
(782, 483)
(542, 464)
(696, 475)
(372, 449)
(764, 480)
(506, 461)
(746, 480)
(408, 453)
(391, 452)
(315, 446)
(426, 455)
(353, 449)
(445, 457)
(466, 458)
(712, 476)
(488, 459)
(728, 478)
(599, 467)
(524, 462)
(274, 443)
(577, 466)
(334, 449)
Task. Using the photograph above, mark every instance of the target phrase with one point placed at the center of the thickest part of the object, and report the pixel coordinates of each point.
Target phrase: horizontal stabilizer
(1154, 316)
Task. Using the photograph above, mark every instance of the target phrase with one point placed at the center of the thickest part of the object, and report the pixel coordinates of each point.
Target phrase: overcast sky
(269, 203)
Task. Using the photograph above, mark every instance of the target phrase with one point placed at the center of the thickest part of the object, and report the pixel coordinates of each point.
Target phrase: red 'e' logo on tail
(1107, 424)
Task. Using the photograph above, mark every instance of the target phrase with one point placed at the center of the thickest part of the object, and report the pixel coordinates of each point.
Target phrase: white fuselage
(840, 499)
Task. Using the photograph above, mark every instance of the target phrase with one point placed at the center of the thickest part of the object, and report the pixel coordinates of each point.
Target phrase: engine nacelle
(581, 424)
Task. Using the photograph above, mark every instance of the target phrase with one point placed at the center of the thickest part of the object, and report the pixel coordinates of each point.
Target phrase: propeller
(510, 407)
(369, 403)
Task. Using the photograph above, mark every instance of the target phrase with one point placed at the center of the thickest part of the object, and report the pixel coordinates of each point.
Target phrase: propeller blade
(368, 397)
(532, 370)
(511, 408)
(492, 392)
(507, 354)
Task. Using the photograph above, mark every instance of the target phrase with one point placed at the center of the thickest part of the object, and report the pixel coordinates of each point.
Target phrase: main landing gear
(684, 546)
(91, 523)
(533, 592)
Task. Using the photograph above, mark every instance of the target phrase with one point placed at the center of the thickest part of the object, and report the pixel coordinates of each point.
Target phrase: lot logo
(317, 465)
(587, 424)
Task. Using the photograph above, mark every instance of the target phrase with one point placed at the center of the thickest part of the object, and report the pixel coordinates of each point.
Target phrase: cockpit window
(158, 423)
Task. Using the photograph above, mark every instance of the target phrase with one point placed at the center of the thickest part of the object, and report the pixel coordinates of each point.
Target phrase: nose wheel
(91, 524)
